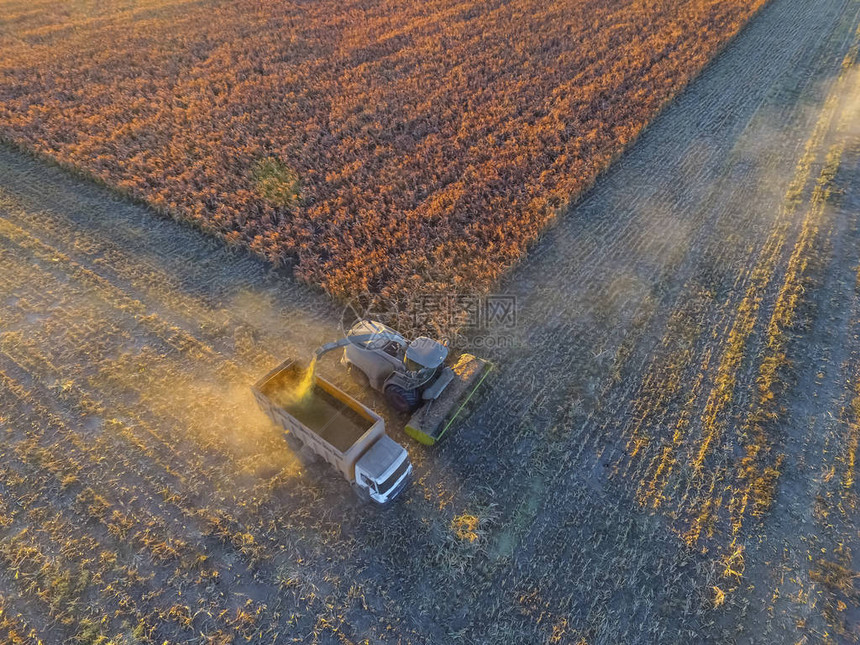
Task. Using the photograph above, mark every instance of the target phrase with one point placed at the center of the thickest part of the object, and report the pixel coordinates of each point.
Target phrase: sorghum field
(665, 452)
(381, 146)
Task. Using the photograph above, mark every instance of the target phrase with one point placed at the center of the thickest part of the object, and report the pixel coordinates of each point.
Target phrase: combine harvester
(413, 375)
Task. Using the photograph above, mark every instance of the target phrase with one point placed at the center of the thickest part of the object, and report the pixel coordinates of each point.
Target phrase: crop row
(358, 145)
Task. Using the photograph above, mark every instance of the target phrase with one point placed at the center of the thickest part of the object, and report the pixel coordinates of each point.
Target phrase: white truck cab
(384, 470)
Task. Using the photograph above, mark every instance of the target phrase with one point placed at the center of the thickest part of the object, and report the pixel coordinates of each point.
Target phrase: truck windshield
(392, 479)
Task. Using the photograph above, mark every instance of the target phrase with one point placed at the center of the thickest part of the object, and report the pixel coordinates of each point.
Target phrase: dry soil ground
(664, 453)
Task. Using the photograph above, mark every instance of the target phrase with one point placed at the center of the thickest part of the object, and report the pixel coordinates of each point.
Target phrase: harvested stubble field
(665, 453)
(378, 146)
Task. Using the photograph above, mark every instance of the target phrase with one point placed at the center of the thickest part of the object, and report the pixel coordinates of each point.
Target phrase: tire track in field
(681, 358)
(803, 563)
(728, 369)
(625, 308)
(566, 329)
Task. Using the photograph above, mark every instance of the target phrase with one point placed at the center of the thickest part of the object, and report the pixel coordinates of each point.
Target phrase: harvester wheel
(357, 375)
(400, 399)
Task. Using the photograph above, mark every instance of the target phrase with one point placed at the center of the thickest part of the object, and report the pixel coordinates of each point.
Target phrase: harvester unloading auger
(413, 375)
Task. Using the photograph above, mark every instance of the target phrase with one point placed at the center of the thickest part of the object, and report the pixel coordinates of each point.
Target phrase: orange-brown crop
(379, 145)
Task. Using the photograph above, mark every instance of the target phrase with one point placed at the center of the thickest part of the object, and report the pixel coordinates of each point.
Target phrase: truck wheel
(295, 444)
(400, 399)
(362, 493)
(308, 457)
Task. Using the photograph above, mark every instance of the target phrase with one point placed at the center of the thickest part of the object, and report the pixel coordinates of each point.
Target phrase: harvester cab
(413, 375)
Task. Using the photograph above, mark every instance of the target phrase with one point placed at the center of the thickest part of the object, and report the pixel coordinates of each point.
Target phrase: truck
(335, 427)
